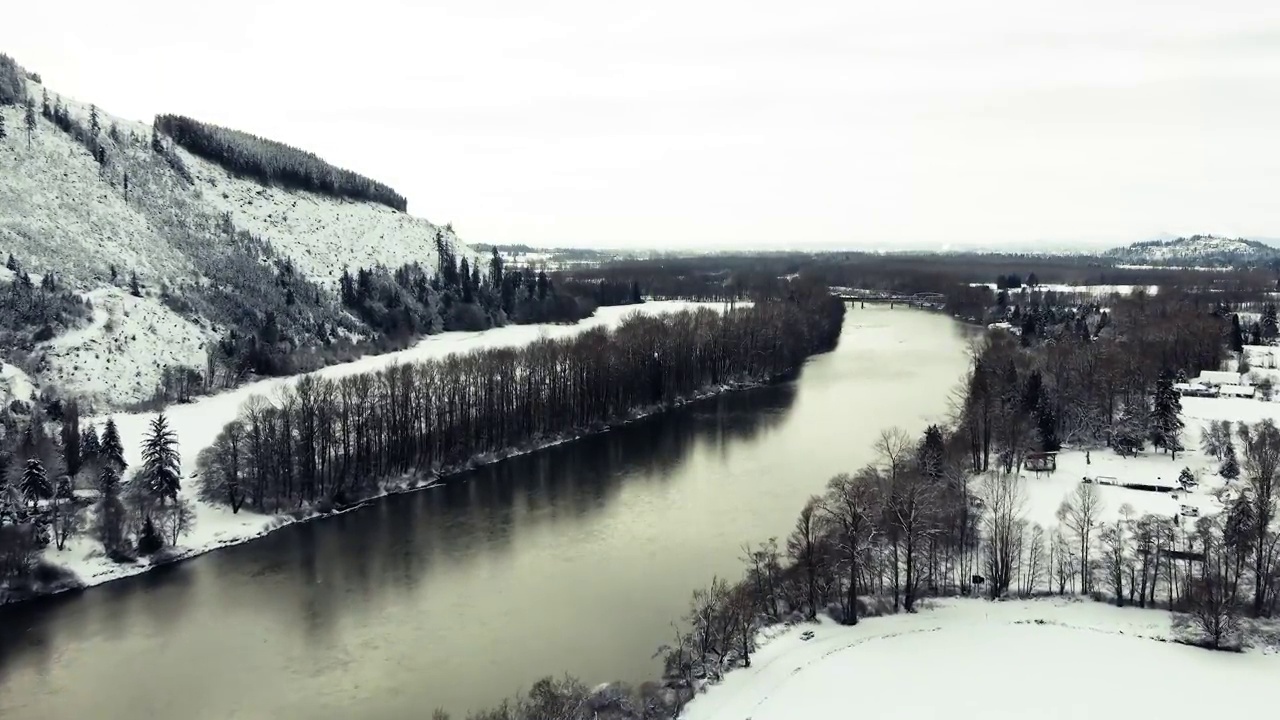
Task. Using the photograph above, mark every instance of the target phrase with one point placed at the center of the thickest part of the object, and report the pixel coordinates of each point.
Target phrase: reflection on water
(575, 558)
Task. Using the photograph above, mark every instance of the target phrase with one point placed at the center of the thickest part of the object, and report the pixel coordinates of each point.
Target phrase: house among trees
(1195, 389)
(1039, 462)
(1216, 378)
(1240, 391)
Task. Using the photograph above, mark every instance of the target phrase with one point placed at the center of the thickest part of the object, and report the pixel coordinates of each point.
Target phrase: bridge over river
(929, 300)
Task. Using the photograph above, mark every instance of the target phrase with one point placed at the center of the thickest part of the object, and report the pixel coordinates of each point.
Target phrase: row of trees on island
(328, 440)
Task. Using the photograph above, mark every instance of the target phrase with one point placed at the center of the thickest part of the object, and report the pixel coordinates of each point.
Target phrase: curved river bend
(575, 559)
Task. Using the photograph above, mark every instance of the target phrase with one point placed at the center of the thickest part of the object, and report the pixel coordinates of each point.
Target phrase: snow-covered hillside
(58, 214)
(95, 199)
(118, 359)
(322, 235)
(1043, 659)
(1197, 250)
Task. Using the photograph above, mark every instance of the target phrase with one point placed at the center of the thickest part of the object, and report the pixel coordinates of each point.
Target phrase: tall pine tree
(112, 453)
(71, 451)
(1166, 424)
(35, 483)
(161, 465)
(29, 120)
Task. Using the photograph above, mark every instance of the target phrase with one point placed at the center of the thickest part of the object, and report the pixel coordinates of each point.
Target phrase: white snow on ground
(1046, 492)
(322, 235)
(1044, 659)
(118, 358)
(15, 385)
(197, 424)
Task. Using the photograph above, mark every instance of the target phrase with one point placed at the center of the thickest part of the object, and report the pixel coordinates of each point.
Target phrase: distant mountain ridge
(1197, 251)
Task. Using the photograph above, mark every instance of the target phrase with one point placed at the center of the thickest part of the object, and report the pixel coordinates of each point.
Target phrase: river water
(574, 559)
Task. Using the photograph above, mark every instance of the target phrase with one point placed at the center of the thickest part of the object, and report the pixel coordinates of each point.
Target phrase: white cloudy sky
(726, 122)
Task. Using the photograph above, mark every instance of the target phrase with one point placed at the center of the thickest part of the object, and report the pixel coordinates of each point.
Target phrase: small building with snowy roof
(1215, 378)
(1240, 391)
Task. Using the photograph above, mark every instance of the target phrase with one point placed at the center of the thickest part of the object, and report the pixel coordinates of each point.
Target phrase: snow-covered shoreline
(1026, 646)
(217, 527)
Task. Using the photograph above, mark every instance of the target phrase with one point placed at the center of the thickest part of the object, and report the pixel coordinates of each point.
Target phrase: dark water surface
(572, 559)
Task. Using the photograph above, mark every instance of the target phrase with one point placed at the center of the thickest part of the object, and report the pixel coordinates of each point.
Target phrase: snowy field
(1046, 492)
(1096, 290)
(1044, 659)
(197, 424)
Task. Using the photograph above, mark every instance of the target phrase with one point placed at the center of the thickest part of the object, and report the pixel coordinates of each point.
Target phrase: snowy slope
(321, 234)
(118, 359)
(976, 659)
(57, 213)
(63, 212)
(1197, 250)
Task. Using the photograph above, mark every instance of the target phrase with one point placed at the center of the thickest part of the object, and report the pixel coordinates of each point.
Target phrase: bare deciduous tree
(1079, 513)
(1004, 506)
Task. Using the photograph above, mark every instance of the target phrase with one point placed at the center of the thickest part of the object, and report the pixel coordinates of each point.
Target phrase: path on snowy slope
(977, 659)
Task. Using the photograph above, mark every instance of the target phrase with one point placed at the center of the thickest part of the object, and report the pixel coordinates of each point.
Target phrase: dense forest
(274, 163)
(936, 511)
(331, 441)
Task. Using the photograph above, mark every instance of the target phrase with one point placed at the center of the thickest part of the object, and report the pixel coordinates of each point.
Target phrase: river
(576, 559)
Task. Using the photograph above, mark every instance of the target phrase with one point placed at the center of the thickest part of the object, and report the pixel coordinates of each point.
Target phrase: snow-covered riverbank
(971, 658)
(197, 424)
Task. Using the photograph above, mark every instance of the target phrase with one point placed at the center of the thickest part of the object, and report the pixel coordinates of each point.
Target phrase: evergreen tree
(149, 540)
(1186, 479)
(111, 513)
(3, 132)
(1230, 468)
(161, 466)
(636, 297)
(135, 289)
(94, 127)
(1166, 424)
(1128, 431)
(126, 192)
(30, 120)
(13, 265)
(931, 453)
(108, 480)
(1269, 328)
(544, 285)
(1237, 334)
(71, 451)
(89, 445)
(495, 269)
(45, 110)
(35, 483)
(112, 452)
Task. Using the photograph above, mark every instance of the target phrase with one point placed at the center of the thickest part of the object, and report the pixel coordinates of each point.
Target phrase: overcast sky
(726, 123)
